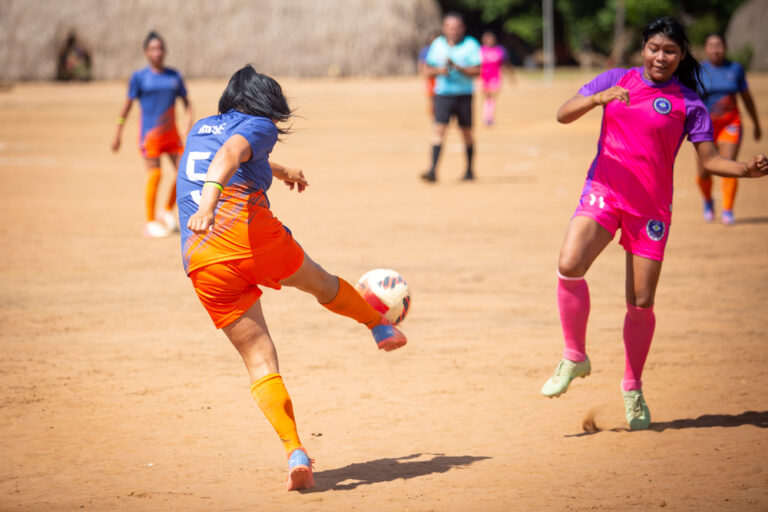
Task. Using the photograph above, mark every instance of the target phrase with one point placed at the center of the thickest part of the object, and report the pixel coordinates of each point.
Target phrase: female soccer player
(721, 80)
(493, 56)
(647, 112)
(232, 244)
(156, 88)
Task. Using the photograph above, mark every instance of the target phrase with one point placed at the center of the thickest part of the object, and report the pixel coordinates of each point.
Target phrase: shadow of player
(754, 418)
(386, 470)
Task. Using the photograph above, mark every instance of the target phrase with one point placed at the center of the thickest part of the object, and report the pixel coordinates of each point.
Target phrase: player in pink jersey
(494, 57)
(647, 112)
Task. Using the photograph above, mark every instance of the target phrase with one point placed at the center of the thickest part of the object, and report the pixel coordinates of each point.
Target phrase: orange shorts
(728, 130)
(229, 288)
(155, 144)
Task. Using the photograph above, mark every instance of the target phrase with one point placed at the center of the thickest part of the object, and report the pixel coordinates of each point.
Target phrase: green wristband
(216, 184)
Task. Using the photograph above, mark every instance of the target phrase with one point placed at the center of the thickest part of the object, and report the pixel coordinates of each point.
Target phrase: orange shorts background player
(722, 80)
(232, 245)
(156, 87)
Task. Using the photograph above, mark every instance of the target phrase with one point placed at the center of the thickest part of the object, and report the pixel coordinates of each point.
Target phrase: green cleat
(638, 414)
(565, 372)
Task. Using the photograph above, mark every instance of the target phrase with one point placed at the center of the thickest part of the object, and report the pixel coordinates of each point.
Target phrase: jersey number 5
(193, 157)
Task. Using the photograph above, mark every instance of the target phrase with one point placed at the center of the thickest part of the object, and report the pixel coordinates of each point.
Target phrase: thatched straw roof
(212, 38)
(747, 29)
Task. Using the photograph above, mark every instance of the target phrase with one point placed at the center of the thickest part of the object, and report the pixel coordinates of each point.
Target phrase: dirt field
(117, 393)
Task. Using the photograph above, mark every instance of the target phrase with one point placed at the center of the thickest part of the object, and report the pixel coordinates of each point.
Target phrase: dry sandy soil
(116, 392)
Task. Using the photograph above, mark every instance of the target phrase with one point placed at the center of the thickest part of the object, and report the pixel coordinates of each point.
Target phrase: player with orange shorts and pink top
(722, 80)
(156, 87)
(232, 245)
(647, 113)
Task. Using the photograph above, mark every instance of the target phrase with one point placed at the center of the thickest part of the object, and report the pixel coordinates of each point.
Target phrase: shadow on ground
(386, 470)
(754, 418)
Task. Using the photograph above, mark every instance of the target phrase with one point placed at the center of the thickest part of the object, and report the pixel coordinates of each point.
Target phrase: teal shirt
(465, 54)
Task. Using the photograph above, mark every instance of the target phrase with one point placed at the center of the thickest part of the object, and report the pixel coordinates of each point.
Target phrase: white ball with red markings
(387, 292)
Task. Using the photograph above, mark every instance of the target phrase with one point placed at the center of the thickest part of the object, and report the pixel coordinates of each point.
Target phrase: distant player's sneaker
(155, 229)
(727, 217)
(169, 220)
(299, 471)
(468, 176)
(388, 337)
(709, 211)
(636, 410)
(429, 177)
(565, 372)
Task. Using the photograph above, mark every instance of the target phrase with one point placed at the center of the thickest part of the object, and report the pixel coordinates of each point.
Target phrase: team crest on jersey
(655, 230)
(662, 106)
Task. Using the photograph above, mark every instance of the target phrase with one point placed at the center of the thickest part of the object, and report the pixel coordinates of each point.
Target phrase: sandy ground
(116, 392)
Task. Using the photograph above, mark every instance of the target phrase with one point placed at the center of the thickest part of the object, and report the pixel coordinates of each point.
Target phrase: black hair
(255, 94)
(718, 35)
(689, 70)
(454, 14)
(152, 35)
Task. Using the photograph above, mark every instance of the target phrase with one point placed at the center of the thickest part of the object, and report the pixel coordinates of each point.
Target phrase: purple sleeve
(134, 86)
(698, 124)
(603, 81)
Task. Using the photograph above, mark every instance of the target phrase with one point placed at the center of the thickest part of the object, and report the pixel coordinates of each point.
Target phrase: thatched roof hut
(747, 32)
(211, 39)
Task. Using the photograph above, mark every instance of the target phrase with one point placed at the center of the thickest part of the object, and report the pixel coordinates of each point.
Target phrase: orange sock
(150, 192)
(171, 199)
(729, 192)
(351, 304)
(705, 185)
(273, 400)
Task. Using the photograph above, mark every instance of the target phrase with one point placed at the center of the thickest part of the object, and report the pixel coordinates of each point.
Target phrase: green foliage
(742, 55)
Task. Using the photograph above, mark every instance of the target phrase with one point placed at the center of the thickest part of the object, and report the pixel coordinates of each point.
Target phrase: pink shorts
(641, 236)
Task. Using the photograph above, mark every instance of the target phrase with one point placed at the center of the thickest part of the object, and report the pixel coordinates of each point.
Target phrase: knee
(643, 300)
(570, 265)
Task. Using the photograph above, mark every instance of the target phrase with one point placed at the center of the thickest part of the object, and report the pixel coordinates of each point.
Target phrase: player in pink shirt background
(647, 112)
(494, 58)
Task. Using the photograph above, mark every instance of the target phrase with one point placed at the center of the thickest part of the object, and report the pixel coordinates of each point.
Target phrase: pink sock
(638, 333)
(573, 302)
(489, 110)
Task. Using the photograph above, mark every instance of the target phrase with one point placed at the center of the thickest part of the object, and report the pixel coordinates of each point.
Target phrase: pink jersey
(639, 142)
(493, 58)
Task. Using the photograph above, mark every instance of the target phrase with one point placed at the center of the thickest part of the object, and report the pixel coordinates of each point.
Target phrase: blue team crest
(655, 230)
(662, 106)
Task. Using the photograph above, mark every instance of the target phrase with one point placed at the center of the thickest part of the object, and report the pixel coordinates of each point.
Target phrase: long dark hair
(153, 35)
(255, 94)
(689, 70)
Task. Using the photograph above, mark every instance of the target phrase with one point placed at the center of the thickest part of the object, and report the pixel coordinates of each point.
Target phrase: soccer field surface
(117, 393)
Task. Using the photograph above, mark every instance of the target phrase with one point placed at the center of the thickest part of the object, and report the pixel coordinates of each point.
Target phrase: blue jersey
(465, 54)
(719, 85)
(157, 93)
(245, 191)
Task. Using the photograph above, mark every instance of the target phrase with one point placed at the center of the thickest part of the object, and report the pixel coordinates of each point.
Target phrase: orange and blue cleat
(299, 471)
(388, 337)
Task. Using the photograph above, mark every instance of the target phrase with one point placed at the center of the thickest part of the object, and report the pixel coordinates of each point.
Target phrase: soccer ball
(387, 292)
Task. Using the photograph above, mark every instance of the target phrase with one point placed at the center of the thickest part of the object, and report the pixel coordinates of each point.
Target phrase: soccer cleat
(565, 372)
(154, 229)
(388, 337)
(636, 410)
(429, 177)
(169, 220)
(299, 471)
(727, 217)
(709, 210)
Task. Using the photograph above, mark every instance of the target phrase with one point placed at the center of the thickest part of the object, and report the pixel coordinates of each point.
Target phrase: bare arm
(190, 115)
(292, 176)
(120, 123)
(470, 71)
(713, 163)
(750, 104)
(579, 105)
(227, 159)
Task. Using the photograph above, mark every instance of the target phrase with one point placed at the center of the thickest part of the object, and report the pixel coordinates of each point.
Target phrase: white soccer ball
(387, 292)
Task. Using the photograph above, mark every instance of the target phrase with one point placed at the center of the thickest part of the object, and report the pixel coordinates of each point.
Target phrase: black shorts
(449, 106)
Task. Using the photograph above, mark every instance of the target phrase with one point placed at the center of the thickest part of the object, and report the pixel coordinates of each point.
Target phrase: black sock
(436, 148)
(470, 153)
